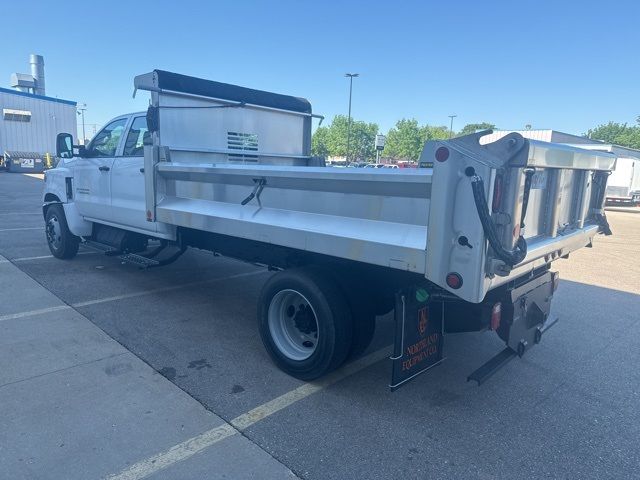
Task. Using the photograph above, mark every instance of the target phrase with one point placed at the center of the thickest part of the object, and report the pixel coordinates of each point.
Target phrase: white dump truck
(466, 245)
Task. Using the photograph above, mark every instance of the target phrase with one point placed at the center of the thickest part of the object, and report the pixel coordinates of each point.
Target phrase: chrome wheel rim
(54, 232)
(293, 325)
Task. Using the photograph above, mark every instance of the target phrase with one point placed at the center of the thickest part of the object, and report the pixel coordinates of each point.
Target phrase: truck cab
(105, 181)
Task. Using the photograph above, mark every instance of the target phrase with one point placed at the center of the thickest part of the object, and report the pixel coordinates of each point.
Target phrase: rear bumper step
(487, 370)
(492, 366)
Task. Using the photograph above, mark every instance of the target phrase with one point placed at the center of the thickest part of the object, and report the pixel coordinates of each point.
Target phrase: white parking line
(175, 454)
(20, 229)
(29, 313)
(39, 176)
(39, 257)
(190, 447)
(40, 311)
(42, 257)
(162, 289)
(18, 213)
(26, 259)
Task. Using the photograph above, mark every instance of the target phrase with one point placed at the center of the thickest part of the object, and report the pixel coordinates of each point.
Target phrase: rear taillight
(454, 280)
(496, 316)
(497, 194)
(442, 153)
(555, 278)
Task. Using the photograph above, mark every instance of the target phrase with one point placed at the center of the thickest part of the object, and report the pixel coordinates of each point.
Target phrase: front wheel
(305, 323)
(62, 243)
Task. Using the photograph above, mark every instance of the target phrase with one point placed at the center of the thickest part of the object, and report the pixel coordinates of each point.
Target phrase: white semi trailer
(623, 186)
(464, 246)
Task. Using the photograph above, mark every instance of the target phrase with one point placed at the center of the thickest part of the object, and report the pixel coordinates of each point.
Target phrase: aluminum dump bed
(237, 163)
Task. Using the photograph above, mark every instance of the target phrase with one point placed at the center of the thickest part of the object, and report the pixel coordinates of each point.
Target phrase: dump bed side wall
(195, 179)
(367, 216)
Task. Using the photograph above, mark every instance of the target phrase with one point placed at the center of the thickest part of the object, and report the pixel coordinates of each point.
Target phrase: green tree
(363, 137)
(430, 132)
(320, 142)
(617, 133)
(474, 127)
(332, 140)
(406, 140)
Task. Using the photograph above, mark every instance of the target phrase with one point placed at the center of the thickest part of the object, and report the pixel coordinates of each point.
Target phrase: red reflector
(442, 153)
(497, 194)
(454, 280)
(496, 316)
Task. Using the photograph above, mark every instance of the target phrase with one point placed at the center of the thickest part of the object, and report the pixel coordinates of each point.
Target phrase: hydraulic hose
(510, 257)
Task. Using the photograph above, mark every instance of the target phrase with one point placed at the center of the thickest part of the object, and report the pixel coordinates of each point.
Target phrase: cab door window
(106, 141)
(134, 145)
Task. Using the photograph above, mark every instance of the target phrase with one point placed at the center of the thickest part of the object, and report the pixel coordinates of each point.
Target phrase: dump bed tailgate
(541, 202)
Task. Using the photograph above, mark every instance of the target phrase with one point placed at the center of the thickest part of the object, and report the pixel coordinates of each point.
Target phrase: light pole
(451, 127)
(350, 76)
(81, 109)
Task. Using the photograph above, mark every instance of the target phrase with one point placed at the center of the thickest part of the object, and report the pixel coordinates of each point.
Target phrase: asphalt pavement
(114, 372)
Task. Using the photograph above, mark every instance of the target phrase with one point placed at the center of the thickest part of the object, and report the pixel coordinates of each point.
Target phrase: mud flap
(419, 337)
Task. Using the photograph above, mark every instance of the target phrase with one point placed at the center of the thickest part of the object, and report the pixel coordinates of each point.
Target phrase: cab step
(101, 247)
(139, 260)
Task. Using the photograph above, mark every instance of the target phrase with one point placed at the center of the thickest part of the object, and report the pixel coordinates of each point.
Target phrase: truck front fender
(56, 190)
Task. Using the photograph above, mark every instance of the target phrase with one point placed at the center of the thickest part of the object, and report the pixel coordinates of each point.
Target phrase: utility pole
(451, 127)
(81, 109)
(350, 76)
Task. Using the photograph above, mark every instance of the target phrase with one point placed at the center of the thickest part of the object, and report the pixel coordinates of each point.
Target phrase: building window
(16, 115)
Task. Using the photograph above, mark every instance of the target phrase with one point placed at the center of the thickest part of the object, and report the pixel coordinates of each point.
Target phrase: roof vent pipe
(37, 72)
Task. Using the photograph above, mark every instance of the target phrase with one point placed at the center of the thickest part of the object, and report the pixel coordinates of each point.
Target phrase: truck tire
(305, 322)
(364, 321)
(62, 243)
(362, 300)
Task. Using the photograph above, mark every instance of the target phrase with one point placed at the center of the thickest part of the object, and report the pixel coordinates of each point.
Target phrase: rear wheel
(305, 322)
(62, 243)
(362, 307)
(363, 303)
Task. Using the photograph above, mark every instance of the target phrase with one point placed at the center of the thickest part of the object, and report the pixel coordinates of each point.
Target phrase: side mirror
(64, 145)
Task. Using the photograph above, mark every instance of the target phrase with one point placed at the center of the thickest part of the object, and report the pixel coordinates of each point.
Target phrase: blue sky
(564, 65)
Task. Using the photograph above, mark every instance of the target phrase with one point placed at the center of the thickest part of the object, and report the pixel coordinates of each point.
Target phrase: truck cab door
(127, 179)
(92, 172)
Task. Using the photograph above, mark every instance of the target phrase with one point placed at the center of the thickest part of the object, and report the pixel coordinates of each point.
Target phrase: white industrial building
(546, 135)
(623, 185)
(30, 120)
